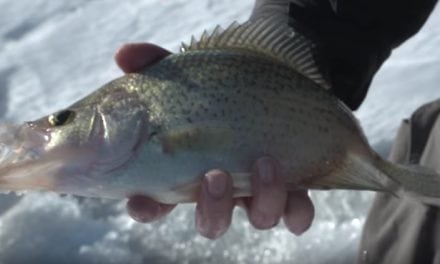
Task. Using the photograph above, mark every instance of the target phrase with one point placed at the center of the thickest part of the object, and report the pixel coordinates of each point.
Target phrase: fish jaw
(27, 164)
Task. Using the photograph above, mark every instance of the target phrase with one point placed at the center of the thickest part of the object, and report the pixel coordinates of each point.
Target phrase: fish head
(71, 150)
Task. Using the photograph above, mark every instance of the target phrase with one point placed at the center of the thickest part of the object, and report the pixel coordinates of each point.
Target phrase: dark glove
(354, 38)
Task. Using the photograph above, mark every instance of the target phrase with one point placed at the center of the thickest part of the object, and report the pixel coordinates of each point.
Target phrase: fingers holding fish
(266, 206)
(134, 57)
(299, 212)
(144, 209)
(214, 204)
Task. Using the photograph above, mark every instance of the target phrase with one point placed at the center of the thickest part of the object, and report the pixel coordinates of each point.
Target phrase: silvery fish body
(238, 94)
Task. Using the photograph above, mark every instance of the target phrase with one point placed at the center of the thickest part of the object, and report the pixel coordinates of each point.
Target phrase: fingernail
(212, 233)
(216, 184)
(264, 221)
(216, 233)
(207, 227)
(266, 170)
(143, 212)
(298, 230)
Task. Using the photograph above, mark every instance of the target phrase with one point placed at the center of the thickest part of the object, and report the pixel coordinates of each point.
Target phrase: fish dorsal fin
(269, 35)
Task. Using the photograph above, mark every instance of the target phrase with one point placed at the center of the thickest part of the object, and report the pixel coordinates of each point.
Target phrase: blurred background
(52, 53)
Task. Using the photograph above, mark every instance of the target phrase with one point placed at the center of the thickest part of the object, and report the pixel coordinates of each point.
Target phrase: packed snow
(52, 53)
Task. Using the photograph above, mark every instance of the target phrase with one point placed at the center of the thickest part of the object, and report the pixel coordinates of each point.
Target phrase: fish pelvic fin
(272, 36)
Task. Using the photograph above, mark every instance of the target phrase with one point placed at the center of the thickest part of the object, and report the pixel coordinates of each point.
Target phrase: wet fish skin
(252, 106)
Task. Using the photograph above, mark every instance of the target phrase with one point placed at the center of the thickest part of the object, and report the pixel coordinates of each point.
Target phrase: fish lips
(26, 164)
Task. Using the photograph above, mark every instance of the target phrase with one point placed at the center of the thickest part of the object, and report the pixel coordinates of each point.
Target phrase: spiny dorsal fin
(271, 36)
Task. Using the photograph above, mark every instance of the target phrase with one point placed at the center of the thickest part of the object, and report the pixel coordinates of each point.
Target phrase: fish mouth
(24, 164)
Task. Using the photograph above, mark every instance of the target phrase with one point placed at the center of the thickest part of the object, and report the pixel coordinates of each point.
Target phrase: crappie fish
(235, 95)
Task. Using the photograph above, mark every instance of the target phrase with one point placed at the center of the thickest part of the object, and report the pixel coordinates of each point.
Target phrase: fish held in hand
(235, 95)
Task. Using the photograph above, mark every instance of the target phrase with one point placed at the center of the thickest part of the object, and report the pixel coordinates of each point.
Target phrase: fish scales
(266, 108)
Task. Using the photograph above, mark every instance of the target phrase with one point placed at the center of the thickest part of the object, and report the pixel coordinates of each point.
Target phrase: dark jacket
(403, 231)
(355, 37)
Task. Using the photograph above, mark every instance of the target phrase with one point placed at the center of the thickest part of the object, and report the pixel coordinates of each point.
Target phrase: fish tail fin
(361, 172)
(357, 173)
(414, 181)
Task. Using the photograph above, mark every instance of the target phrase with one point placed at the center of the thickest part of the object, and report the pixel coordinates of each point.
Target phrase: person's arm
(353, 38)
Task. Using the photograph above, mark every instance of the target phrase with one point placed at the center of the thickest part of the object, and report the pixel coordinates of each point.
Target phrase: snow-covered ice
(55, 52)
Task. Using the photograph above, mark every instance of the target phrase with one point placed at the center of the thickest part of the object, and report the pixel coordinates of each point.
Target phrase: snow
(55, 52)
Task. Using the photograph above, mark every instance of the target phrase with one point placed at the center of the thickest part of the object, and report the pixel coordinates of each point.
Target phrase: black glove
(354, 38)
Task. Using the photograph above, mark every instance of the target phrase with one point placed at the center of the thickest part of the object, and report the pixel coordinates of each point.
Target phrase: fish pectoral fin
(200, 138)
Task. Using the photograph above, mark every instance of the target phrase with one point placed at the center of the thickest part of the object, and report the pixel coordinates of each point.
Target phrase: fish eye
(61, 118)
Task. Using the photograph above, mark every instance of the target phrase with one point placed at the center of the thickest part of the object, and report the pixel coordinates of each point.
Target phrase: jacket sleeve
(353, 38)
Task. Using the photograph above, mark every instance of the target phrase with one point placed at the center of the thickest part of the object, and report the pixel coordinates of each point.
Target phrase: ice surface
(54, 52)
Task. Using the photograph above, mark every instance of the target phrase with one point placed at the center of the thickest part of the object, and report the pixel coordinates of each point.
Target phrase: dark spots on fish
(292, 109)
(266, 110)
(152, 135)
(185, 96)
(253, 82)
(184, 111)
(189, 120)
(322, 129)
(173, 109)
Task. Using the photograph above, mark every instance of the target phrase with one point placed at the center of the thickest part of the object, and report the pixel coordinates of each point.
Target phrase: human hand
(270, 201)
